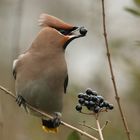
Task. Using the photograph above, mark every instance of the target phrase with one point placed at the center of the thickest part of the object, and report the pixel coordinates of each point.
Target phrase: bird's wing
(14, 67)
(66, 83)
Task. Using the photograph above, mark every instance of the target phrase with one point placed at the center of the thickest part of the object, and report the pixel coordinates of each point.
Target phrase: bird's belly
(43, 96)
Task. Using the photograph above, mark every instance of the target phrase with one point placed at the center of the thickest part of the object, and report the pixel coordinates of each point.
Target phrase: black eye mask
(66, 32)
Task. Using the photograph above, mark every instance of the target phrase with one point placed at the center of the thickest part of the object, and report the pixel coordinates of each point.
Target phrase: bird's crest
(51, 21)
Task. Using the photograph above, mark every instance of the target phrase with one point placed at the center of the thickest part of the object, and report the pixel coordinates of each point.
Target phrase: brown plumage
(41, 72)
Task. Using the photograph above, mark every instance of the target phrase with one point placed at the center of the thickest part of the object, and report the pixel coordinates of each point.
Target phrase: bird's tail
(50, 126)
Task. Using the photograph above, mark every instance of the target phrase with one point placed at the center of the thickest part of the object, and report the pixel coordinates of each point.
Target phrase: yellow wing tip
(50, 130)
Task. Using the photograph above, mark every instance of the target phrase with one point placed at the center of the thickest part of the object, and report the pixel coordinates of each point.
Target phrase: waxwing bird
(40, 73)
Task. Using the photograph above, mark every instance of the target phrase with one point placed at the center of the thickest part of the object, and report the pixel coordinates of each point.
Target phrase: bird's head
(58, 31)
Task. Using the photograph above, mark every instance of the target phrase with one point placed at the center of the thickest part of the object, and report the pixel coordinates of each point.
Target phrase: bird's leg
(21, 101)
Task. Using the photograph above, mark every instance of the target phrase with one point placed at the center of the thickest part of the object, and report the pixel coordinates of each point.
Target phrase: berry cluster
(92, 101)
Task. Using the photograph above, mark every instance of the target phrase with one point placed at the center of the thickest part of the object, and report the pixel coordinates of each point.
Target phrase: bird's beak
(77, 32)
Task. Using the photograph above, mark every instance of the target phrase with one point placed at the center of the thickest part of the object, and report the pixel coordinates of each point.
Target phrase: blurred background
(87, 64)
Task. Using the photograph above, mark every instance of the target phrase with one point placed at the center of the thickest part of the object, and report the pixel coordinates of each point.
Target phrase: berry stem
(88, 126)
(112, 74)
(104, 125)
(99, 128)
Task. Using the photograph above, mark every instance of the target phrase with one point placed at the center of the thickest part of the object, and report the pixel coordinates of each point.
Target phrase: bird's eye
(64, 32)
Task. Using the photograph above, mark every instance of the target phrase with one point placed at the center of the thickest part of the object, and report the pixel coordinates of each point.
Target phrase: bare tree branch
(88, 126)
(112, 74)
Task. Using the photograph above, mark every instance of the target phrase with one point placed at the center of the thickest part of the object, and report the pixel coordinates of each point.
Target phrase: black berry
(94, 98)
(83, 31)
(81, 101)
(78, 107)
(106, 104)
(91, 103)
(94, 93)
(86, 97)
(86, 103)
(96, 109)
(110, 106)
(89, 91)
(100, 98)
(101, 105)
(80, 95)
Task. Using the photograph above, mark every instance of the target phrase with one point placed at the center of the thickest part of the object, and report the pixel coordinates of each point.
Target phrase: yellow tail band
(50, 130)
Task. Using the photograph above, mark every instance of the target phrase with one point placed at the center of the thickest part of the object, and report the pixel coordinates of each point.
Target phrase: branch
(99, 128)
(112, 74)
(92, 128)
(106, 123)
(49, 116)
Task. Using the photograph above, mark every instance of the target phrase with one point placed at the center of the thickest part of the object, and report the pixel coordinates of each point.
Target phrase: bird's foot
(21, 101)
(57, 119)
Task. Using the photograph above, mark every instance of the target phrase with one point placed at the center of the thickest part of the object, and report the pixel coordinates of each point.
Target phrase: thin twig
(93, 128)
(106, 123)
(99, 128)
(112, 74)
(49, 116)
(88, 126)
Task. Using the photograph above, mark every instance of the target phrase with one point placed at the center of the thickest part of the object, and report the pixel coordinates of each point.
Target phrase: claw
(21, 101)
(56, 122)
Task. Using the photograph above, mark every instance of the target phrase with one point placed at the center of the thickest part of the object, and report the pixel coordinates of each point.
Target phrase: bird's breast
(41, 82)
